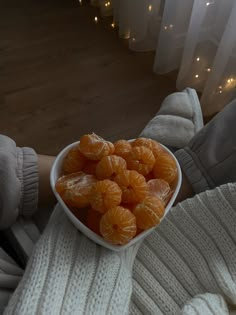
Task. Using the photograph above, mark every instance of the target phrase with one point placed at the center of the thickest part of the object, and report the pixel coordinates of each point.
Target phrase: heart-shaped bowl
(56, 172)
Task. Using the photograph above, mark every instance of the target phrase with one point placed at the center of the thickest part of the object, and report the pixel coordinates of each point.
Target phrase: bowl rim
(82, 227)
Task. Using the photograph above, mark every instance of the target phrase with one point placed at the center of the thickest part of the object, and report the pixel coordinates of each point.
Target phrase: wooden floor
(61, 76)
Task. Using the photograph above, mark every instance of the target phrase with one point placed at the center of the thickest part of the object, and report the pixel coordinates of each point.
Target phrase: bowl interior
(56, 172)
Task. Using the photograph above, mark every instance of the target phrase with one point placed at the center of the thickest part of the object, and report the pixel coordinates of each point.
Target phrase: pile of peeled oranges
(117, 189)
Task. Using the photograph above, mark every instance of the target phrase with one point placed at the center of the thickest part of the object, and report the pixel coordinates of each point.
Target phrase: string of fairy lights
(225, 86)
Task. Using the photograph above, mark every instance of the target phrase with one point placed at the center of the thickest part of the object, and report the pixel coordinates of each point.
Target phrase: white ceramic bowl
(56, 172)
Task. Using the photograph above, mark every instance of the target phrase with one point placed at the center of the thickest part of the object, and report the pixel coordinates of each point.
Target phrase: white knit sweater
(188, 263)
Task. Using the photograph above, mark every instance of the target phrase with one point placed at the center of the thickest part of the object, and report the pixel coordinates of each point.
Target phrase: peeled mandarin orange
(109, 166)
(165, 168)
(146, 142)
(118, 226)
(93, 220)
(105, 194)
(74, 161)
(133, 185)
(94, 147)
(75, 188)
(156, 148)
(140, 159)
(149, 212)
(122, 148)
(151, 144)
(159, 188)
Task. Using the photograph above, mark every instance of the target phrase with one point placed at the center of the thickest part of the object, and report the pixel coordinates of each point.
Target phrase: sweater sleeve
(209, 159)
(18, 181)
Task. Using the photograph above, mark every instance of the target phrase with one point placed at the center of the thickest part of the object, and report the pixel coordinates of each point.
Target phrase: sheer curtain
(195, 37)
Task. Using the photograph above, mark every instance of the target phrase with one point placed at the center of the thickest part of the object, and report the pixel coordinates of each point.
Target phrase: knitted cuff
(28, 175)
(192, 168)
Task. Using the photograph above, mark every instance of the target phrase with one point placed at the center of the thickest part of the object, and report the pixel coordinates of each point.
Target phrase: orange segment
(165, 168)
(75, 188)
(74, 161)
(140, 159)
(151, 144)
(110, 166)
(157, 148)
(133, 186)
(159, 188)
(105, 194)
(93, 220)
(122, 148)
(118, 226)
(143, 142)
(94, 147)
(149, 212)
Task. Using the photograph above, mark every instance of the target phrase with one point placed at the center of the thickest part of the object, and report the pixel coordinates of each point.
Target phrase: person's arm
(24, 181)
(209, 159)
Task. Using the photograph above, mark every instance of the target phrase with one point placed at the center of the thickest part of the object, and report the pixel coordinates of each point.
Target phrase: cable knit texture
(69, 274)
(192, 253)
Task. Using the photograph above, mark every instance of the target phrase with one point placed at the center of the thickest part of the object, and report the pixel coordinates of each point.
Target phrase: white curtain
(195, 37)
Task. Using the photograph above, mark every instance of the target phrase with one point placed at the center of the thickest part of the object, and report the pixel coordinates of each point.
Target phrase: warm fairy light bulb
(80, 1)
(198, 58)
(170, 27)
(230, 80)
(219, 90)
(113, 25)
(95, 19)
(107, 4)
(208, 69)
(150, 8)
(133, 39)
(196, 76)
